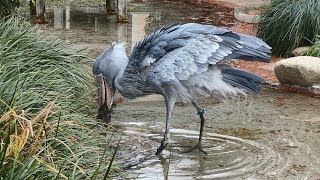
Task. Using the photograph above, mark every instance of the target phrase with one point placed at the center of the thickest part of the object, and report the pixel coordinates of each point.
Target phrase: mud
(274, 135)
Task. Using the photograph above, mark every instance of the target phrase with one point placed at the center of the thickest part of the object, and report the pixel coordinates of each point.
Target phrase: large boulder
(300, 70)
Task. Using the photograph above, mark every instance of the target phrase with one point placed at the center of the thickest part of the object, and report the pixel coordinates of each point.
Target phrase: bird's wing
(175, 52)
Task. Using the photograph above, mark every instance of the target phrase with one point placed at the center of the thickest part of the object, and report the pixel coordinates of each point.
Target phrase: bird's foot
(202, 113)
(165, 141)
(198, 146)
(163, 145)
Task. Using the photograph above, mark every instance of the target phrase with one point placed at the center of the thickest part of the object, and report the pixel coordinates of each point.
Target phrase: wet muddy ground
(275, 135)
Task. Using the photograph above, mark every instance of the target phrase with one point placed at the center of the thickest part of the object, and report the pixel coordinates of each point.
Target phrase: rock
(299, 51)
(315, 89)
(242, 13)
(301, 70)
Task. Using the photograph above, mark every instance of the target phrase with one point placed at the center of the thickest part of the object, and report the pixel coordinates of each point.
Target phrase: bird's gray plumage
(172, 54)
(180, 60)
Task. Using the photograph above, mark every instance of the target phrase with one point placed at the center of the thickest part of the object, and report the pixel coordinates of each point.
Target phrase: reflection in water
(68, 17)
(122, 32)
(131, 32)
(228, 157)
(96, 27)
(138, 22)
(58, 18)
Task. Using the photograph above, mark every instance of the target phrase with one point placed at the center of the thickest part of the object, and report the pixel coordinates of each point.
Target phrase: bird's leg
(201, 113)
(166, 139)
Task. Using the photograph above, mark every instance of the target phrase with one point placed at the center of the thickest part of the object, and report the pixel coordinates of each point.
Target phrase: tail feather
(254, 49)
(242, 79)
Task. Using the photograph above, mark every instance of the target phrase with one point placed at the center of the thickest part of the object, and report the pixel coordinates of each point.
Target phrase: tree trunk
(122, 11)
(40, 11)
(111, 6)
(33, 11)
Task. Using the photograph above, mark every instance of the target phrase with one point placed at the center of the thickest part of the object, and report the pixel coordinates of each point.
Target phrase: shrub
(287, 24)
(315, 49)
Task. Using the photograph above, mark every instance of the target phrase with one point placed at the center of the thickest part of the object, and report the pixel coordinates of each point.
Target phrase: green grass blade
(112, 159)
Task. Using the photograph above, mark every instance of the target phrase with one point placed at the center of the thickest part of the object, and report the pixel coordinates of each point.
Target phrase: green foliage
(287, 24)
(36, 69)
(315, 49)
(7, 7)
(45, 129)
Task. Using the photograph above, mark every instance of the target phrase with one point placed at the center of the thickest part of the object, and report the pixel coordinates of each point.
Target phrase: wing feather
(176, 52)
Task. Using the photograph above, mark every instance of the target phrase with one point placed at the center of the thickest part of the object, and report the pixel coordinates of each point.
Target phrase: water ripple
(228, 157)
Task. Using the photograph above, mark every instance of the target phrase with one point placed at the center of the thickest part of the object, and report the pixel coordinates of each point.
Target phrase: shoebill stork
(179, 61)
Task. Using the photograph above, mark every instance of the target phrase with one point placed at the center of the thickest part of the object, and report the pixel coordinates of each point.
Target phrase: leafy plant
(287, 24)
(315, 49)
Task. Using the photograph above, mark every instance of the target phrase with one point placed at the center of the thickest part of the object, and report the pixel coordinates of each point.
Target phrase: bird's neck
(130, 84)
(118, 80)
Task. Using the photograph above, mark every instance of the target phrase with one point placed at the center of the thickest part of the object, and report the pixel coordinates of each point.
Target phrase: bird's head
(105, 70)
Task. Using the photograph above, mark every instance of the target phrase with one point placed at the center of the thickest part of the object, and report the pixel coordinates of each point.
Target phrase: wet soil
(274, 135)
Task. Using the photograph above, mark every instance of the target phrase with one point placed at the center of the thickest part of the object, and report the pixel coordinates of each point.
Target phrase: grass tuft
(315, 48)
(46, 127)
(287, 24)
(35, 69)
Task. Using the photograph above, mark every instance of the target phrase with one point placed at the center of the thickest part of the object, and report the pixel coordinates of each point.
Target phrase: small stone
(315, 89)
(242, 13)
(300, 70)
(299, 51)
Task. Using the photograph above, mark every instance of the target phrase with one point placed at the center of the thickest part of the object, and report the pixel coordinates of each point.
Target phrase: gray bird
(179, 61)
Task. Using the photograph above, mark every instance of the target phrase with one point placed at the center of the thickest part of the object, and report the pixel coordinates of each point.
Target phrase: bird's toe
(198, 146)
(161, 148)
(164, 144)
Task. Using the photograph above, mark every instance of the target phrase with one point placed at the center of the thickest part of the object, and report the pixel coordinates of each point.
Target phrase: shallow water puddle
(227, 157)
